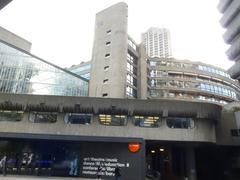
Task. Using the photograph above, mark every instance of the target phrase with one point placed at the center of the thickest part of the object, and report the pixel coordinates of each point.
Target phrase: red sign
(134, 147)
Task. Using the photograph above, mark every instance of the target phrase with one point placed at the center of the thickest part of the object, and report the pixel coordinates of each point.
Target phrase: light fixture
(153, 151)
(134, 146)
(161, 149)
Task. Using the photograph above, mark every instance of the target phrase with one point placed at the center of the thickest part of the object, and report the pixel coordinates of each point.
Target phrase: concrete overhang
(150, 107)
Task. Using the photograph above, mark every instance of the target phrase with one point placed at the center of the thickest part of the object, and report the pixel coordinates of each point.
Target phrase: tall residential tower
(114, 65)
(231, 21)
(157, 42)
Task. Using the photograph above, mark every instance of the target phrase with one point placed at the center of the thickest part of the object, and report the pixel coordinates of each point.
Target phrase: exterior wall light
(153, 151)
(134, 147)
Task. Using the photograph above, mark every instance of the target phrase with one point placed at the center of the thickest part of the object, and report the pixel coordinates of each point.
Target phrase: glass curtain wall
(23, 73)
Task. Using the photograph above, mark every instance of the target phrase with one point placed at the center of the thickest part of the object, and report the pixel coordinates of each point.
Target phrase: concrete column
(190, 164)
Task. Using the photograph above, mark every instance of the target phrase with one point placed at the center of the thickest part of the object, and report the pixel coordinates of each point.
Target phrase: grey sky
(62, 31)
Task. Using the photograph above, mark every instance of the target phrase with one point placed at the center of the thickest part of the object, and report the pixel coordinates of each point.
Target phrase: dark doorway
(165, 161)
(218, 162)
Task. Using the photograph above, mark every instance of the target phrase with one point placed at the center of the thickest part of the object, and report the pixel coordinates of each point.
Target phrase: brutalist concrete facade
(205, 116)
(108, 65)
(231, 21)
(170, 78)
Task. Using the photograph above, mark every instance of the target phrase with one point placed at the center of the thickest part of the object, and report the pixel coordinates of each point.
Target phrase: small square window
(106, 68)
(104, 94)
(105, 81)
(108, 43)
(107, 55)
(109, 31)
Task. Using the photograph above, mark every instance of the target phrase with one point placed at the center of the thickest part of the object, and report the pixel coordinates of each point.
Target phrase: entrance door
(166, 161)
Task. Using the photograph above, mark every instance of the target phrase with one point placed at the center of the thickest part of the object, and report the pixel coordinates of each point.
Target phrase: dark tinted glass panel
(146, 121)
(75, 158)
(11, 115)
(235, 132)
(43, 117)
(113, 120)
(184, 123)
(73, 118)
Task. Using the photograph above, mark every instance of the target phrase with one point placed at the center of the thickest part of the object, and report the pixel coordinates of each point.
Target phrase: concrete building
(15, 40)
(176, 138)
(166, 118)
(122, 69)
(192, 81)
(231, 21)
(115, 56)
(157, 42)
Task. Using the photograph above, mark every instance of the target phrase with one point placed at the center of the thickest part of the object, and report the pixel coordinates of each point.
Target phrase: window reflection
(132, 44)
(179, 122)
(11, 115)
(112, 120)
(42, 117)
(76, 118)
(131, 92)
(22, 73)
(146, 121)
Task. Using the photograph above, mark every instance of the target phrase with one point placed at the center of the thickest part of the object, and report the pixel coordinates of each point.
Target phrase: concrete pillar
(190, 164)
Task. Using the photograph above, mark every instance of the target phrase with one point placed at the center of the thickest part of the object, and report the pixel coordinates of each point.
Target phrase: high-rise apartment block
(231, 21)
(120, 68)
(157, 42)
(115, 56)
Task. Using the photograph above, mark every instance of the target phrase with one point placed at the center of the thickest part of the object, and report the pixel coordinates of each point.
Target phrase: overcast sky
(62, 31)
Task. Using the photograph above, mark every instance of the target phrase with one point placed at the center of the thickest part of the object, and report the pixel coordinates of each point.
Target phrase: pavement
(10, 177)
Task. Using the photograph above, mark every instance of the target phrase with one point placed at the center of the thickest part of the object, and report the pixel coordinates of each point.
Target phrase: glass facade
(82, 70)
(43, 117)
(79, 159)
(213, 70)
(131, 79)
(132, 44)
(146, 121)
(179, 122)
(141, 121)
(76, 118)
(11, 115)
(23, 73)
(112, 120)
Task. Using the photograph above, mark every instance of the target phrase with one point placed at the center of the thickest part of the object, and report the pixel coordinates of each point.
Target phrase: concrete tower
(110, 50)
(157, 42)
(231, 21)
